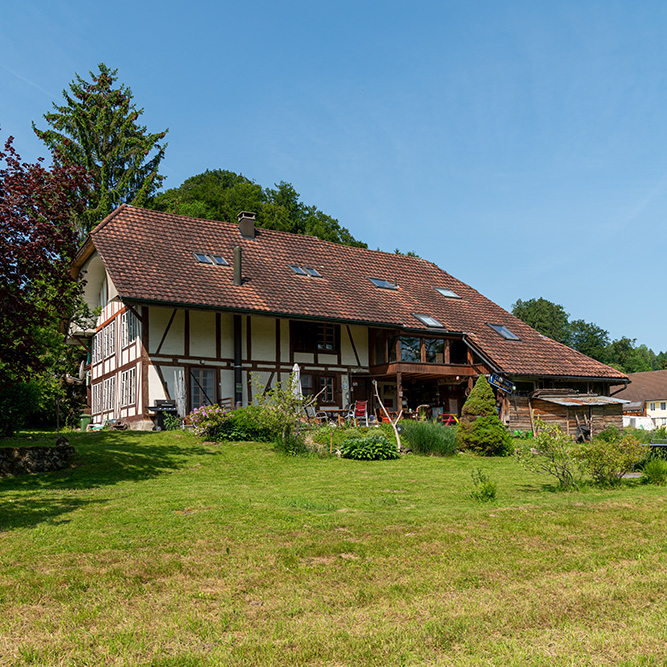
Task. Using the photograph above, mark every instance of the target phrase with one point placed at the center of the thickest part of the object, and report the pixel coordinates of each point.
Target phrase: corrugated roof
(582, 400)
(149, 256)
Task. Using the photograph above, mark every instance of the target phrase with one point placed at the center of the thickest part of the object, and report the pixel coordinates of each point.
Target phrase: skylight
(503, 331)
(384, 284)
(298, 270)
(220, 260)
(429, 321)
(450, 294)
(201, 257)
(312, 272)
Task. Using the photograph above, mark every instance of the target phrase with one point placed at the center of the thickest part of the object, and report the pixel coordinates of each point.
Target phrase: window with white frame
(110, 339)
(663, 405)
(97, 347)
(109, 395)
(96, 395)
(129, 328)
(652, 406)
(128, 381)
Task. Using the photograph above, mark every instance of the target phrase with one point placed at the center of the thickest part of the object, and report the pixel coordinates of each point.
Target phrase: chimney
(247, 224)
(238, 272)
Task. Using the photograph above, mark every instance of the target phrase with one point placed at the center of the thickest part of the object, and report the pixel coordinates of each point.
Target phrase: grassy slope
(159, 550)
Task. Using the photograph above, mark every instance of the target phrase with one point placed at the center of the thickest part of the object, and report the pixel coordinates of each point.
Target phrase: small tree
(480, 430)
(610, 455)
(551, 452)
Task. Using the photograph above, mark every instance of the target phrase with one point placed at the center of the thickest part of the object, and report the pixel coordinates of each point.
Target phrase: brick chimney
(247, 224)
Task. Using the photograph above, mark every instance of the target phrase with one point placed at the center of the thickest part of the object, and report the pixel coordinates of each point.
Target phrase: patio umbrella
(295, 380)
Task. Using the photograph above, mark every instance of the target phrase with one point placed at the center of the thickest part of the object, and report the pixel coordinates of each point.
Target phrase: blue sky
(521, 146)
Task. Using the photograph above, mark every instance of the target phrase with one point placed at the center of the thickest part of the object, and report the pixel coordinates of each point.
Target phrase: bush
(486, 435)
(322, 435)
(292, 445)
(429, 438)
(18, 402)
(551, 452)
(484, 490)
(209, 421)
(172, 422)
(655, 472)
(610, 457)
(373, 447)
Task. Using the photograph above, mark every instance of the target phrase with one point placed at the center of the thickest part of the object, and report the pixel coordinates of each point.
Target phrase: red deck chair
(359, 411)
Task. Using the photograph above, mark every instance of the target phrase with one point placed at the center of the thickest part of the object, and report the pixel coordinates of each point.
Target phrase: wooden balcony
(415, 370)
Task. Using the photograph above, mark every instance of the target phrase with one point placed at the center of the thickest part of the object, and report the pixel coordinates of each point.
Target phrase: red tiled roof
(149, 256)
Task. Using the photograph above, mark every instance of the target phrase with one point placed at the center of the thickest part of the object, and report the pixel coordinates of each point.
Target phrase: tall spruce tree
(97, 129)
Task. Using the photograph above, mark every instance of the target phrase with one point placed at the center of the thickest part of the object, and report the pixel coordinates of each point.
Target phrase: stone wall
(40, 458)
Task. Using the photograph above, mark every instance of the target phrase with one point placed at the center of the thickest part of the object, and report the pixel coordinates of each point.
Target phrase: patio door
(203, 387)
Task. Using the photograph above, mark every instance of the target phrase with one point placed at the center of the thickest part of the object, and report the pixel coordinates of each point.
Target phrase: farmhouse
(646, 397)
(192, 310)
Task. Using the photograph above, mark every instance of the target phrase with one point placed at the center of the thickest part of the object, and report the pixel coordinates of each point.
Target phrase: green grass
(159, 550)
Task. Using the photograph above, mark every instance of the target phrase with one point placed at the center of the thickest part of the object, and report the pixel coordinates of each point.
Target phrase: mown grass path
(160, 550)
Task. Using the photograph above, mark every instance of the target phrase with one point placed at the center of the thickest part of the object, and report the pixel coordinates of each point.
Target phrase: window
(652, 406)
(298, 270)
(327, 389)
(504, 331)
(411, 348)
(382, 283)
(312, 384)
(450, 294)
(429, 321)
(109, 394)
(201, 257)
(96, 396)
(435, 350)
(202, 387)
(110, 339)
(663, 406)
(129, 328)
(97, 348)
(128, 380)
(220, 260)
(312, 272)
(313, 337)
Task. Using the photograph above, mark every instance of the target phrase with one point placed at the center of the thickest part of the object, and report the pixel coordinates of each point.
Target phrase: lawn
(157, 549)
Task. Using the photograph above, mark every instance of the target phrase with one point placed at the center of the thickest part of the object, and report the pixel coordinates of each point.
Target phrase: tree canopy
(96, 128)
(550, 319)
(219, 194)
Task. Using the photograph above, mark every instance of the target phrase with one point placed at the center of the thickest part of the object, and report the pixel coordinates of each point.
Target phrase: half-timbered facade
(198, 311)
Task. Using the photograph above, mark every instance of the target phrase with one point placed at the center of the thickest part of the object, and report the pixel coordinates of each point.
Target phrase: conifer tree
(97, 129)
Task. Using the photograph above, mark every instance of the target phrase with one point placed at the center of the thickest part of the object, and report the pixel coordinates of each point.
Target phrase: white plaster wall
(360, 337)
(304, 358)
(327, 359)
(284, 341)
(263, 331)
(227, 335)
(227, 383)
(158, 318)
(155, 388)
(202, 333)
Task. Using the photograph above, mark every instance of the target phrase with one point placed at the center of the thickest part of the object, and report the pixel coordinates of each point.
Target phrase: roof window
(445, 291)
(220, 260)
(298, 270)
(382, 283)
(201, 257)
(503, 331)
(429, 321)
(312, 272)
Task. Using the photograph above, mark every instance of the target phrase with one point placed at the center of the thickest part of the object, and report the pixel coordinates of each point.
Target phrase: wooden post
(399, 390)
(447, 353)
(532, 422)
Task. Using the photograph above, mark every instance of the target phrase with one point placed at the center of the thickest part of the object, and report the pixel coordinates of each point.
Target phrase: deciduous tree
(549, 318)
(97, 128)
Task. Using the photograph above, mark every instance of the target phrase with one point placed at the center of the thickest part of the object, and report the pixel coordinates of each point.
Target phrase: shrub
(480, 403)
(484, 490)
(18, 402)
(486, 435)
(292, 445)
(322, 435)
(655, 472)
(375, 447)
(551, 452)
(608, 458)
(172, 422)
(430, 438)
(209, 421)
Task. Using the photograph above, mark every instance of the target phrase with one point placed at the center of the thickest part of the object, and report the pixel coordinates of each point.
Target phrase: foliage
(220, 195)
(210, 421)
(551, 452)
(292, 445)
(522, 435)
(97, 128)
(213, 422)
(655, 472)
(37, 290)
(322, 435)
(480, 403)
(610, 456)
(589, 339)
(372, 447)
(484, 490)
(550, 319)
(429, 437)
(18, 402)
(172, 422)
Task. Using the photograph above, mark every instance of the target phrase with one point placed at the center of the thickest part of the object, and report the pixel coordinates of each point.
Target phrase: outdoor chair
(317, 416)
(359, 411)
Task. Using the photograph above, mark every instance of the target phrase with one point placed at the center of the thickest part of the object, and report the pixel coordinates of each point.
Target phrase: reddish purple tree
(37, 243)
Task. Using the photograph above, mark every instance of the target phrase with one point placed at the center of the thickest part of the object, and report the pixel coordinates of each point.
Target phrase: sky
(519, 145)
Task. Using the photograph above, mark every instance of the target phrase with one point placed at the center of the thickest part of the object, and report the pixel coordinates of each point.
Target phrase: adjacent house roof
(646, 386)
(150, 258)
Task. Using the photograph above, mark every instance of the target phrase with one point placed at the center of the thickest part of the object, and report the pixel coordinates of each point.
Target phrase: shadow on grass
(102, 459)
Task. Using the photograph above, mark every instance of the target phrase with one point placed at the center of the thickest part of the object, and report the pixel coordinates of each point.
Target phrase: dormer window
(383, 283)
(429, 321)
(503, 331)
(201, 257)
(445, 291)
